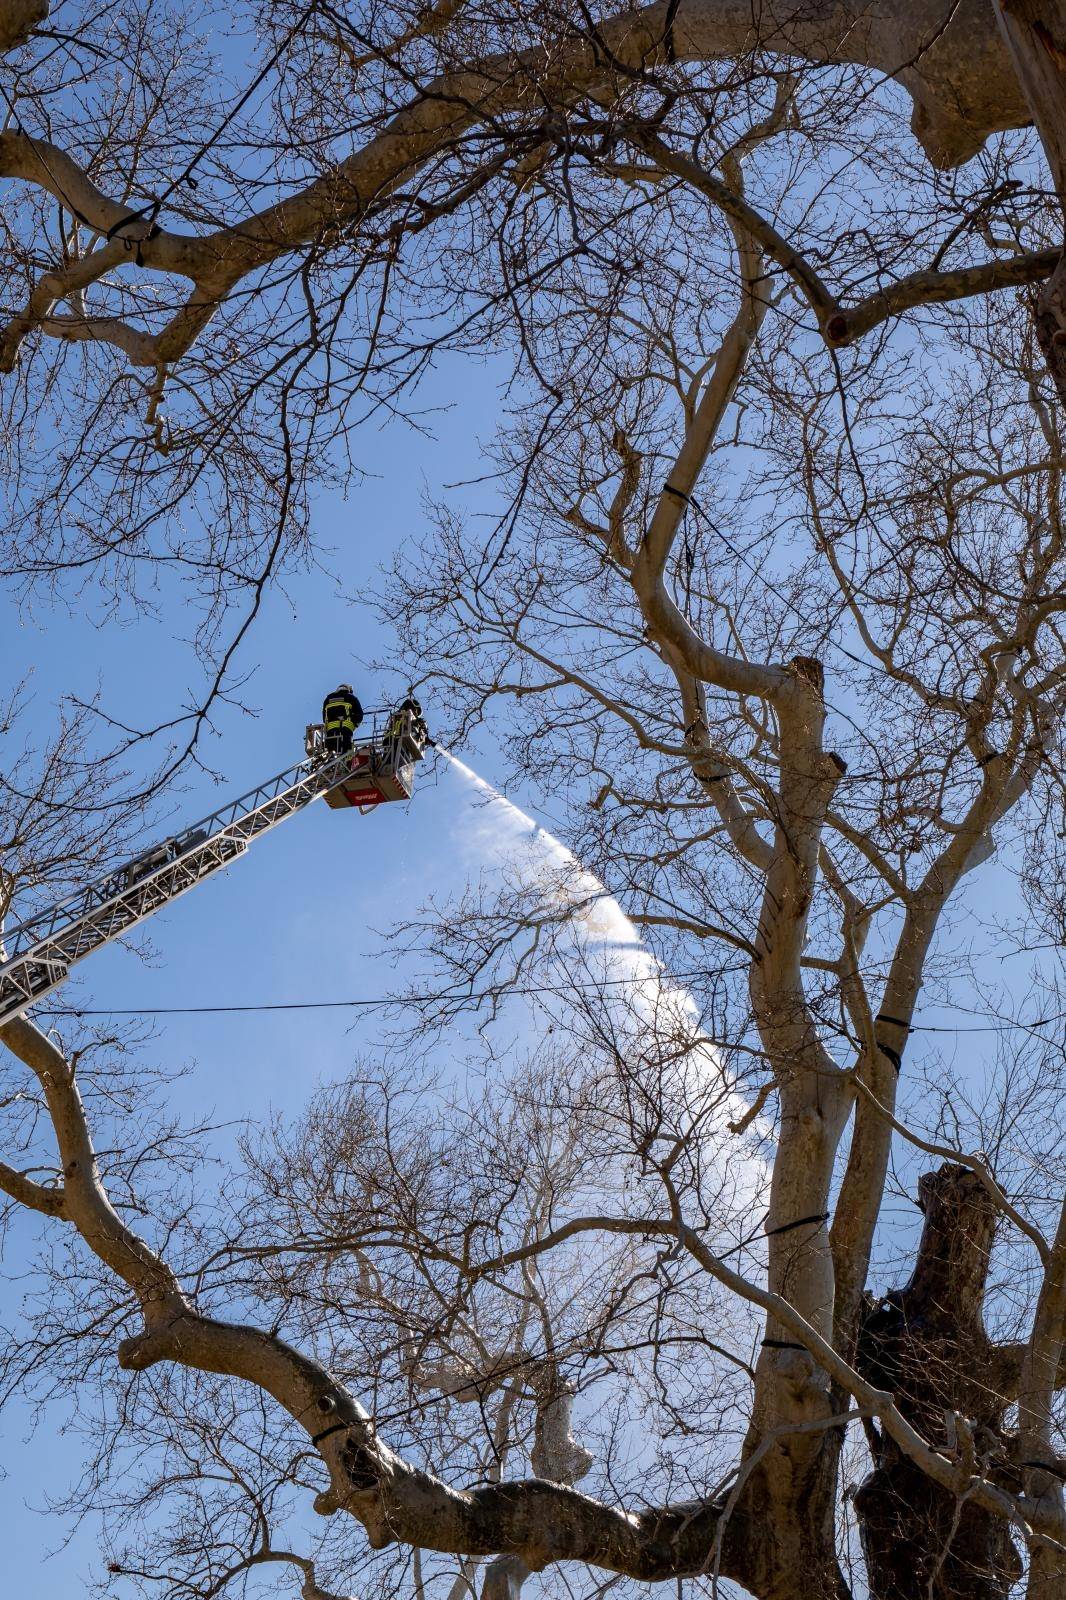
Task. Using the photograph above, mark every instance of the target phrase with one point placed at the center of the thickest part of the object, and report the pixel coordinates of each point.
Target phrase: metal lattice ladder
(39, 953)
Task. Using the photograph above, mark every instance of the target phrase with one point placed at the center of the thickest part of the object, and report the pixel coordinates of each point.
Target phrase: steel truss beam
(39, 953)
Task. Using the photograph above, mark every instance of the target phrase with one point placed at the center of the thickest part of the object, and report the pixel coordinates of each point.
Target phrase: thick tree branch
(958, 72)
(27, 1192)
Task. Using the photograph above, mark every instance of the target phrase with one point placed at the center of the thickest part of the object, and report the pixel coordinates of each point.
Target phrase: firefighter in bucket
(341, 715)
(381, 766)
(406, 733)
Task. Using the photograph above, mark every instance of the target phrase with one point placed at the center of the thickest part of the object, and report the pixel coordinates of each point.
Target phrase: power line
(664, 978)
(384, 1001)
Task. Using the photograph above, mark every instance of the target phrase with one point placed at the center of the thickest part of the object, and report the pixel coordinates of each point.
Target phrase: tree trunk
(787, 1544)
(1035, 31)
(928, 1343)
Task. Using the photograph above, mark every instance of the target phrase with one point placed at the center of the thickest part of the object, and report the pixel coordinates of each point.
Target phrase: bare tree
(609, 610)
(776, 601)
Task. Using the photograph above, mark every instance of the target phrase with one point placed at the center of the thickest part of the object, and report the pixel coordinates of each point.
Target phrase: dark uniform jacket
(341, 710)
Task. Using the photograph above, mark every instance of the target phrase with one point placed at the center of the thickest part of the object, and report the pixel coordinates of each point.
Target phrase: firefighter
(406, 726)
(394, 732)
(341, 715)
(417, 728)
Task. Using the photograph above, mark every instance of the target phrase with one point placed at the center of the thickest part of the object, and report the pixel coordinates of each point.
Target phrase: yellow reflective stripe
(338, 714)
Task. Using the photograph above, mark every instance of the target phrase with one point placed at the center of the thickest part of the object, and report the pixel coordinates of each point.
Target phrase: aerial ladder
(36, 955)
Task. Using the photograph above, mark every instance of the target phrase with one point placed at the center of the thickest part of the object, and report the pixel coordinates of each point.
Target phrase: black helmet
(344, 688)
(411, 704)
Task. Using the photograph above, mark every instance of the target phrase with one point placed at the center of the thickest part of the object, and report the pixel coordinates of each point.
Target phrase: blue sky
(287, 922)
(302, 917)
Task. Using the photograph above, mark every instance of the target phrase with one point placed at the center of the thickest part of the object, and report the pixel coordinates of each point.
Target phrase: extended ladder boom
(39, 953)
